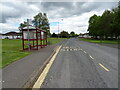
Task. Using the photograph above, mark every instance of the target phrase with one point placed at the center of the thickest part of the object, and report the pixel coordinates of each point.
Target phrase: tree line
(106, 26)
(40, 20)
(64, 34)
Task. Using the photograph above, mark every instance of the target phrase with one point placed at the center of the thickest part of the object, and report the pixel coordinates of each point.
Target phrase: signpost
(28, 20)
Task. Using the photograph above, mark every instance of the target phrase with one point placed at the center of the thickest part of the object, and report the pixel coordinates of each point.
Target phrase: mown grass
(100, 41)
(54, 40)
(11, 50)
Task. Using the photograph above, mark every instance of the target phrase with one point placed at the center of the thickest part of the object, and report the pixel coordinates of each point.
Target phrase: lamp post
(59, 26)
(58, 29)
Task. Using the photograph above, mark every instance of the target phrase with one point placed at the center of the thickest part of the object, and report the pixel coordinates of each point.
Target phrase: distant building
(11, 35)
(85, 35)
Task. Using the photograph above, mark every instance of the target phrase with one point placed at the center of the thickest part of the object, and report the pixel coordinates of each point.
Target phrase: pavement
(81, 64)
(17, 74)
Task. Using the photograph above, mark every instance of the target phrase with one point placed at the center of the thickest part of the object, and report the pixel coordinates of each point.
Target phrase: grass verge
(11, 50)
(54, 40)
(100, 41)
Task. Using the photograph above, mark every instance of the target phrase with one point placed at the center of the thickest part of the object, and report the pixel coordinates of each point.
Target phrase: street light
(59, 26)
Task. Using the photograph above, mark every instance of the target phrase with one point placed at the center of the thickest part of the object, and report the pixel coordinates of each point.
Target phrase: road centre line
(84, 51)
(45, 71)
(104, 67)
(91, 57)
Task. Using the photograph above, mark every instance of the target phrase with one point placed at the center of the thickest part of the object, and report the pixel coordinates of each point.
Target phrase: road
(81, 64)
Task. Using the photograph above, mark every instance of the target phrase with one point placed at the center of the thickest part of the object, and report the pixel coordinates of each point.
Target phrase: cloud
(16, 10)
(7, 28)
(68, 9)
(75, 14)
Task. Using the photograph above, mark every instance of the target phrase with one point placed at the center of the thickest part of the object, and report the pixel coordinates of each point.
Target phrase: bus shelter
(33, 38)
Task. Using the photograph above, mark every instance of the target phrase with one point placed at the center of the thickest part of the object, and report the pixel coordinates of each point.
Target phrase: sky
(72, 16)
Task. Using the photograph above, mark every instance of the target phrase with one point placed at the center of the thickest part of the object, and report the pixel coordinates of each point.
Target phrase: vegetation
(11, 50)
(72, 34)
(54, 35)
(99, 41)
(107, 25)
(40, 21)
(65, 34)
(54, 40)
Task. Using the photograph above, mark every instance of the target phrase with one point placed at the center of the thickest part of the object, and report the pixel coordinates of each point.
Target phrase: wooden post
(40, 39)
(46, 38)
(22, 40)
(33, 43)
(36, 39)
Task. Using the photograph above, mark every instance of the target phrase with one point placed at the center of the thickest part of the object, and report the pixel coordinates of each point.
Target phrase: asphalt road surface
(81, 64)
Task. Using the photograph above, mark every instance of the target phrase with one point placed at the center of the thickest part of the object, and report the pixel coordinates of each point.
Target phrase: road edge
(41, 78)
(35, 75)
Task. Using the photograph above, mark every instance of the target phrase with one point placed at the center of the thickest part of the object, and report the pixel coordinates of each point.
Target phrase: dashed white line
(67, 49)
(75, 49)
(91, 57)
(70, 49)
(84, 51)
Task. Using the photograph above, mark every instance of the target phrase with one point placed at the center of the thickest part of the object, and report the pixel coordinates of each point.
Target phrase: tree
(64, 34)
(41, 21)
(54, 35)
(93, 25)
(45, 23)
(22, 25)
(72, 34)
(38, 20)
(106, 20)
(106, 25)
(116, 21)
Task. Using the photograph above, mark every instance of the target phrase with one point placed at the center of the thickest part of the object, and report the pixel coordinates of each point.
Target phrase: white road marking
(75, 49)
(67, 49)
(84, 51)
(70, 49)
(40, 80)
(91, 57)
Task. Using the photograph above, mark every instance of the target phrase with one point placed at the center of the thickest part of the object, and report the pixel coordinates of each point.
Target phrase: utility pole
(59, 26)
(58, 29)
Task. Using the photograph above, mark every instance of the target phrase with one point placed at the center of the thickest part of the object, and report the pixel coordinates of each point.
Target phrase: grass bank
(11, 50)
(99, 41)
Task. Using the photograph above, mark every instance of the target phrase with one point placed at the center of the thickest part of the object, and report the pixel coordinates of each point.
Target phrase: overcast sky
(73, 16)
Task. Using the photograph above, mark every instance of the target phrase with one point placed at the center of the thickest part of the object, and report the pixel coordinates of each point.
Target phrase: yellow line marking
(104, 67)
(45, 71)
